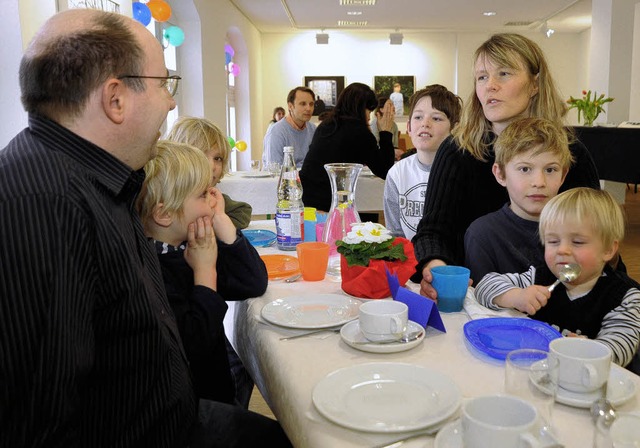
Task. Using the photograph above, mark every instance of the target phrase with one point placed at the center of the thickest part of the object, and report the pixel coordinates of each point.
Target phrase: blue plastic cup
(451, 283)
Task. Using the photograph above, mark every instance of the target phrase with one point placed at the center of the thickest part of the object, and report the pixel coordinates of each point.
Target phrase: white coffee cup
(584, 363)
(383, 320)
(499, 421)
(625, 431)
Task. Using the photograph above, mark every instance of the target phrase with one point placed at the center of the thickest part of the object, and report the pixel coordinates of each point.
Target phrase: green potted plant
(588, 108)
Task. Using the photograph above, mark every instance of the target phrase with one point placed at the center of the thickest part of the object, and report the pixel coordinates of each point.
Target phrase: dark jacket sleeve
(436, 234)
(380, 159)
(241, 272)
(583, 172)
(461, 189)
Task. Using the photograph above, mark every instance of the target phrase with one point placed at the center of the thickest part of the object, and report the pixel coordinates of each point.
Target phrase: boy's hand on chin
(202, 252)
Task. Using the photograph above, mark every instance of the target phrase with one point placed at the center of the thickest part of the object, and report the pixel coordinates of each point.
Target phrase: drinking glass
(533, 376)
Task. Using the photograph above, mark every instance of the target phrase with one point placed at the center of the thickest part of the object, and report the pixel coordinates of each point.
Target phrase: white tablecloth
(287, 371)
(260, 192)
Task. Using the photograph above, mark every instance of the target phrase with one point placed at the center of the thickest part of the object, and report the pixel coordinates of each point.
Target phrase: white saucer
(450, 436)
(352, 335)
(620, 389)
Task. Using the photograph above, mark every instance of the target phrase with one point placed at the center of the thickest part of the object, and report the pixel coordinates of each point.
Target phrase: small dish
(497, 336)
(260, 237)
(620, 389)
(280, 266)
(311, 311)
(450, 436)
(352, 335)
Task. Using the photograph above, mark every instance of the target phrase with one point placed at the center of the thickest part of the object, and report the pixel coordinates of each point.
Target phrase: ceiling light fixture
(354, 13)
(322, 38)
(489, 13)
(546, 30)
(357, 2)
(395, 38)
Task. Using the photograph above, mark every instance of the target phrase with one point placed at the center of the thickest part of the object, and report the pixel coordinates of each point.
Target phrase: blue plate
(259, 237)
(497, 336)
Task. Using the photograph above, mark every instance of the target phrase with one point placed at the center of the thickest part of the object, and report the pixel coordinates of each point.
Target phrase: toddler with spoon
(582, 226)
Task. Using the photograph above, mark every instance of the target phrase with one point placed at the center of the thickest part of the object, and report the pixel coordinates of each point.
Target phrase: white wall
(444, 58)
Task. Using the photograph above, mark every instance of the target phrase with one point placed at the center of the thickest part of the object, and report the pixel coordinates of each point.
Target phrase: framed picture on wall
(103, 5)
(398, 88)
(327, 89)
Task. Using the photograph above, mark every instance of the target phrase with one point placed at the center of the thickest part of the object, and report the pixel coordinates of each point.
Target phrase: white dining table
(286, 372)
(261, 192)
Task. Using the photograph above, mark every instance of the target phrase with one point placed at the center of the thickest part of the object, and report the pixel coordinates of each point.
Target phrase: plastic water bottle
(289, 209)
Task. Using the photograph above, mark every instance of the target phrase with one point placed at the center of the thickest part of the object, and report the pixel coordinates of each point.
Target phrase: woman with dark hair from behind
(345, 137)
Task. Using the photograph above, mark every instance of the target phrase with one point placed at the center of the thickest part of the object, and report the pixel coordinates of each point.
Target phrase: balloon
(241, 145)
(160, 10)
(141, 13)
(174, 35)
(227, 58)
(235, 69)
(232, 142)
(229, 49)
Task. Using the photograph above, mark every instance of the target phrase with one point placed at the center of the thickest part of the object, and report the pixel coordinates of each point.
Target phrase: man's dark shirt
(90, 355)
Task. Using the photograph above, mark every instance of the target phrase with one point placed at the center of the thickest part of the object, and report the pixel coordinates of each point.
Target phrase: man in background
(294, 130)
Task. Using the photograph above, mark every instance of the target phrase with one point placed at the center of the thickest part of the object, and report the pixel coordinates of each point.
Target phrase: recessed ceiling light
(357, 2)
(354, 13)
(352, 23)
(489, 13)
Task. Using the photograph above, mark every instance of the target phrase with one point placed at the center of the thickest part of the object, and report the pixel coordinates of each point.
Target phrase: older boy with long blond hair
(208, 138)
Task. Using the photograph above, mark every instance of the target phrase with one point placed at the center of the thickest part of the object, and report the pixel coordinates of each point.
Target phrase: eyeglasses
(170, 82)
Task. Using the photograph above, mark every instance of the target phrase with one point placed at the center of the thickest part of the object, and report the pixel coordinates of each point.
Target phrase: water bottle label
(290, 228)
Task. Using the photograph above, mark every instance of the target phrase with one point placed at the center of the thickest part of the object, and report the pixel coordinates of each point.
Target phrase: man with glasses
(91, 354)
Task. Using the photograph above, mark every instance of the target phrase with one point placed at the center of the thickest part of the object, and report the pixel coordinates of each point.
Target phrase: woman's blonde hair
(510, 51)
(525, 134)
(596, 207)
(177, 171)
(204, 135)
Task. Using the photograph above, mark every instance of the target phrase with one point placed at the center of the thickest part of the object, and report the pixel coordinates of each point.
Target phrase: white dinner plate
(352, 335)
(386, 397)
(311, 311)
(620, 389)
(450, 436)
(256, 174)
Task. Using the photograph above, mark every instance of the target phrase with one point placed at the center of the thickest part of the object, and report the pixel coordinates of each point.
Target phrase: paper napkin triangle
(421, 309)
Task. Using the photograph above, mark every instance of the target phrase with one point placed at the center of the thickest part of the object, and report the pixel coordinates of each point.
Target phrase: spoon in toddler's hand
(567, 273)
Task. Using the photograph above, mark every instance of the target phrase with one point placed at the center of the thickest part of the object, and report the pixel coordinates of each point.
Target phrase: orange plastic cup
(313, 258)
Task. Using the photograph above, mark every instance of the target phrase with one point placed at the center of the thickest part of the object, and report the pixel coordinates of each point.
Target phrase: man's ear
(497, 173)
(162, 217)
(113, 99)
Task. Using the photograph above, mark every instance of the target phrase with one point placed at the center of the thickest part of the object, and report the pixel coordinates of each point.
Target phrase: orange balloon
(160, 10)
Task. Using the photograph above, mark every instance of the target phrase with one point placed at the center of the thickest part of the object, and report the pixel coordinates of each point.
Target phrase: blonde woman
(512, 80)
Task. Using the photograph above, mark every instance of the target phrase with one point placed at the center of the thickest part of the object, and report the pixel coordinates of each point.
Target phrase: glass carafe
(343, 213)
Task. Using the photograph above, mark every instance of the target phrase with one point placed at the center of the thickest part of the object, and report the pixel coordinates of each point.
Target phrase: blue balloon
(227, 58)
(141, 13)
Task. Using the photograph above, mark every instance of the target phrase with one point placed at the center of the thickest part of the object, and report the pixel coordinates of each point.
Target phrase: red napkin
(371, 282)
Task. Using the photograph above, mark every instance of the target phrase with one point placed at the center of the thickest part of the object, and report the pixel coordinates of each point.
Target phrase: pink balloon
(235, 69)
(229, 49)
